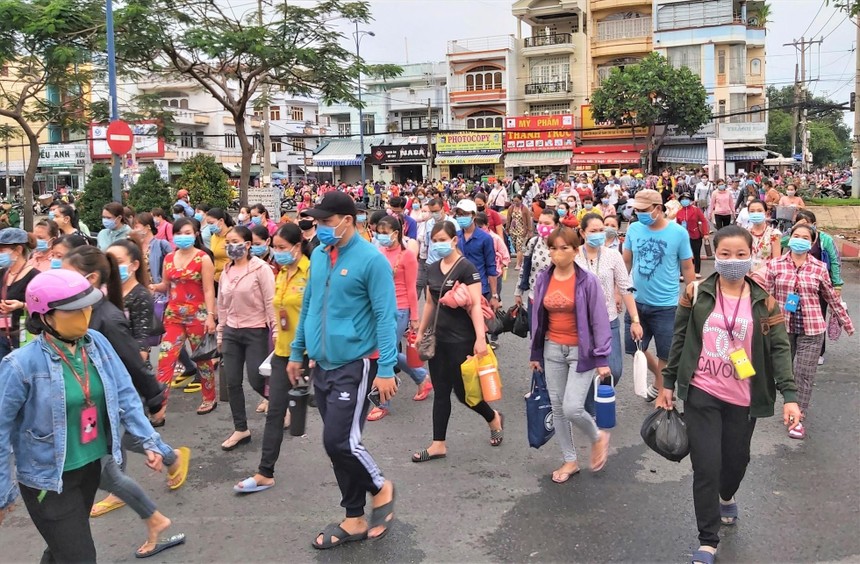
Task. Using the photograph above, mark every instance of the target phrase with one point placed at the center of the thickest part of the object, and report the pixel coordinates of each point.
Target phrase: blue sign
(798, 157)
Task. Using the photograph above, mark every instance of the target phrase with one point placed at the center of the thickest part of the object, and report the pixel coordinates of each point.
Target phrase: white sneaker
(820, 360)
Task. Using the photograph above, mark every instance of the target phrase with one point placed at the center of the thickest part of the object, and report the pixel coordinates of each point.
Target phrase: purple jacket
(592, 321)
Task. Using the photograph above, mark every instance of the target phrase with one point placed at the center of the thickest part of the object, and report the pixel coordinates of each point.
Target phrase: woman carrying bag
(729, 356)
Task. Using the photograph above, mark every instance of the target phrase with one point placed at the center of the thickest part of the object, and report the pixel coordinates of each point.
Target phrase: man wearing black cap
(348, 327)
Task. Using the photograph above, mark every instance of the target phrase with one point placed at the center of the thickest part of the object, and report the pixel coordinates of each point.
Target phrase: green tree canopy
(205, 181)
(150, 191)
(651, 93)
(234, 55)
(97, 193)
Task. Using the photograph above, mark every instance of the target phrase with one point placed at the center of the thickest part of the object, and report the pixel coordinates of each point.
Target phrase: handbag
(207, 349)
(539, 423)
(427, 344)
(159, 304)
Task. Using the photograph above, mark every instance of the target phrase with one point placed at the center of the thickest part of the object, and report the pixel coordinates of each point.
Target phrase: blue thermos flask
(604, 403)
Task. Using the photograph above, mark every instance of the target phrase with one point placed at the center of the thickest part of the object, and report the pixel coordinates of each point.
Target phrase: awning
(339, 152)
(235, 169)
(747, 155)
(605, 158)
(683, 154)
(538, 158)
(468, 159)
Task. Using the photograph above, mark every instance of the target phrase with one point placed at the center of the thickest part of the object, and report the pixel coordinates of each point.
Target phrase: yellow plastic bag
(471, 380)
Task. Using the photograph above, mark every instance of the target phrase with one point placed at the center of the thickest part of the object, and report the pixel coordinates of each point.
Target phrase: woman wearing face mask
(260, 216)
(610, 270)
(245, 318)
(459, 334)
(289, 249)
(309, 232)
(765, 240)
(404, 265)
(791, 198)
(361, 224)
(87, 383)
(567, 215)
(260, 246)
(136, 299)
(15, 275)
(613, 241)
(115, 228)
(729, 355)
(162, 224)
(536, 258)
(189, 275)
(243, 218)
(798, 281)
(570, 340)
(722, 205)
(694, 221)
(218, 222)
(605, 208)
(587, 207)
(46, 232)
(519, 226)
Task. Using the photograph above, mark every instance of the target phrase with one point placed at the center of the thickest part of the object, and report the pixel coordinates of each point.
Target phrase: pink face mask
(544, 230)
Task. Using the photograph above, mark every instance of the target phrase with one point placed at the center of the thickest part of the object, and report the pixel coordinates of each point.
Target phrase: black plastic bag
(665, 432)
(207, 349)
(521, 321)
(504, 321)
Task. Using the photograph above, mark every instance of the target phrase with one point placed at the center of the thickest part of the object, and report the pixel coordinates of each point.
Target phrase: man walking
(348, 327)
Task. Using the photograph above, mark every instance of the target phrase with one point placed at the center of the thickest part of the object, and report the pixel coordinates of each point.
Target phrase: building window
(344, 128)
(297, 113)
(737, 64)
(230, 140)
(199, 140)
(693, 14)
(624, 25)
(258, 114)
(276, 146)
(274, 113)
(550, 69)
(603, 71)
(549, 109)
(414, 121)
(183, 104)
(484, 78)
(688, 56)
(737, 103)
(721, 110)
(755, 67)
(759, 116)
(298, 144)
(368, 126)
(186, 139)
(721, 61)
(484, 120)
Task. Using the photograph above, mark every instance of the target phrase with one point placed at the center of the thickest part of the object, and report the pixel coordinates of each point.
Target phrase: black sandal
(496, 437)
(383, 516)
(343, 537)
(425, 456)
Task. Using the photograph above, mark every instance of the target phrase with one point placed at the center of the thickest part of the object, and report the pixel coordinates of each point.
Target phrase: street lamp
(358, 35)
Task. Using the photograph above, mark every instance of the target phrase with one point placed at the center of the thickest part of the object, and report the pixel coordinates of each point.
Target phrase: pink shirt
(722, 203)
(246, 296)
(715, 373)
(164, 231)
(405, 266)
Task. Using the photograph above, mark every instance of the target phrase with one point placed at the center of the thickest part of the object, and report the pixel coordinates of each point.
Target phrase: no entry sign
(120, 139)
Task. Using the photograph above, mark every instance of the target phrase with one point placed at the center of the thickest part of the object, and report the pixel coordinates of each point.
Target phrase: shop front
(469, 154)
(61, 166)
(596, 158)
(344, 158)
(538, 145)
(400, 163)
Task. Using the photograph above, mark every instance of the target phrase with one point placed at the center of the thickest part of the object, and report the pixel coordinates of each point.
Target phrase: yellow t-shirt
(289, 293)
(218, 246)
(581, 213)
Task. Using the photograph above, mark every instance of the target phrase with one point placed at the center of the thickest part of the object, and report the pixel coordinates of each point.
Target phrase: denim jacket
(33, 413)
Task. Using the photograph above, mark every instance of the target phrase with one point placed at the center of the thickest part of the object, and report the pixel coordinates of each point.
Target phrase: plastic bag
(265, 368)
(666, 434)
(539, 420)
(413, 359)
(640, 372)
(521, 322)
(470, 372)
(207, 349)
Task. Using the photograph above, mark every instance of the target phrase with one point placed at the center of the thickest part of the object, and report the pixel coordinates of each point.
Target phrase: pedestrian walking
(15, 274)
(696, 224)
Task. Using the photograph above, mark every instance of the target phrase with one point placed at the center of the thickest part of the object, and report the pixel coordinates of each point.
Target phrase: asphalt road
(800, 501)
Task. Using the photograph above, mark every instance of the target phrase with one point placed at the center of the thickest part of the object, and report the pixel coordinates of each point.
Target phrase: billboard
(469, 142)
(539, 123)
(522, 141)
(147, 143)
(605, 130)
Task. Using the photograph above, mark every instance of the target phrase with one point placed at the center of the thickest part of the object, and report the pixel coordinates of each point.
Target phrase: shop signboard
(539, 123)
(469, 142)
(398, 154)
(63, 155)
(523, 141)
(147, 143)
(592, 129)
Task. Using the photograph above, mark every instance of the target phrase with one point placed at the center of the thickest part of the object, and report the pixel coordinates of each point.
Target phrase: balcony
(621, 37)
(474, 97)
(559, 90)
(597, 5)
(545, 44)
(190, 117)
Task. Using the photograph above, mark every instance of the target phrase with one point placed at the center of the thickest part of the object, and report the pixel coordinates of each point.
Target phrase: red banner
(523, 141)
(541, 123)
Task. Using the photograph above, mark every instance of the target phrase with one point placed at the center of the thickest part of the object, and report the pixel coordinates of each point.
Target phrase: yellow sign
(468, 141)
(605, 130)
(467, 159)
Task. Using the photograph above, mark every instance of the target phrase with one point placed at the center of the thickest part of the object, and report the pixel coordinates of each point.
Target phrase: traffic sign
(120, 139)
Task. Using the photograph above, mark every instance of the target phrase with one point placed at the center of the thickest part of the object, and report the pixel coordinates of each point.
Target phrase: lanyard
(797, 271)
(730, 325)
(84, 382)
(588, 262)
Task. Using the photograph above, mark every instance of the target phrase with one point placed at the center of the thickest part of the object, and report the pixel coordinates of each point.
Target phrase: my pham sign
(65, 155)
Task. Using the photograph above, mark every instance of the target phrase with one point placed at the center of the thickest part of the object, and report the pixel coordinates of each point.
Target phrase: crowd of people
(332, 298)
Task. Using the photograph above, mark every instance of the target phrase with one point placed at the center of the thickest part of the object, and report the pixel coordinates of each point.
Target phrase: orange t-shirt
(559, 301)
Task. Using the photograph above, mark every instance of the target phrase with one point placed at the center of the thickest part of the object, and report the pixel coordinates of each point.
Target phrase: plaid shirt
(809, 281)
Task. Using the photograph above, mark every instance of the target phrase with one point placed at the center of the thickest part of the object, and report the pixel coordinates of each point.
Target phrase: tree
(97, 193)
(649, 94)
(150, 191)
(46, 46)
(852, 7)
(236, 57)
(205, 181)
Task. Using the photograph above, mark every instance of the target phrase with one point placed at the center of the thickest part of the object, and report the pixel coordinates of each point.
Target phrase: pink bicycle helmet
(60, 289)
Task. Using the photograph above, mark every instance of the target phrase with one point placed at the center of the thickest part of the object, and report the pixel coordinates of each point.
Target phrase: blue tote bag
(539, 412)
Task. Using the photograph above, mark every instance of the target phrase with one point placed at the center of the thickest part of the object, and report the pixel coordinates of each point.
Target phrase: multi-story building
(722, 42)
(294, 129)
(399, 118)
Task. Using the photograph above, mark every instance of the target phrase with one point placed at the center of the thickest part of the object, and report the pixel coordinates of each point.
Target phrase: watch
(496, 296)
(635, 319)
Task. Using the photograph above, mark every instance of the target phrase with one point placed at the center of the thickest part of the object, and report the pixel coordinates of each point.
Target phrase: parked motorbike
(288, 204)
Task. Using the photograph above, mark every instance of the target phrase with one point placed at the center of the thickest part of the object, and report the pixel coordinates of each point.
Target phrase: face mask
(595, 240)
(562, 213)
(588, 206)
(464, 222)
(604, 201)
(183, 241)
(306, 224)
(384, 239)
(685, 202)
(436, 216)
(56, 263)
(544, 230)
(416, 206)
(732, 269)
(790, 192)
(109, 223)
(481, 208)
(721, 187)
(611, 233)
(214, 228)
(259, 250)
(156, 221)
(5, 260)
(51, 215)
(646, 218)
(284, 258)
(361, 219)
(73, 327)
(178, 216)
(328, 235)
(236, 250)
(123, 272)
(757, 217)
(256, 219)
(198, 216)
(41, 245)
(796, 244)
(241, 217)
(442, 248)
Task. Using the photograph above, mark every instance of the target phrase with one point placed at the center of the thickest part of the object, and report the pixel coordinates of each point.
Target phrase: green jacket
(771, 350)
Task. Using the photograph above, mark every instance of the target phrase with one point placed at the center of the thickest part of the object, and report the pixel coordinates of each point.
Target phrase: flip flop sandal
(702, 556)
(250, 485)
(159, 423)
(203, 411)
(425, 456)
(179, 381)
(103, 508)
(263, 407)
(567, 476)
(193, 387)
(597, 464)
(496, 437)
(383, 516)
(162, 545)
(237, 444)
(182, 472)
(335, 530)
(729, 514)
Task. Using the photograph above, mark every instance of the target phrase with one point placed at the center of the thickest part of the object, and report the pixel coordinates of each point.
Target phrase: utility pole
(267, 114)
(429, 141)
(116, 182)
(855, 154)
(357, 35)
(800, 95)
(794, 111)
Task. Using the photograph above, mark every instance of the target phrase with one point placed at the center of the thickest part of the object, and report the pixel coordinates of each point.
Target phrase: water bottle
(298, 406)
(604, 403)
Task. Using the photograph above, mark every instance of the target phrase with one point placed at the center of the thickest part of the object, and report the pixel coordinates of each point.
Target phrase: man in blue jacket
(477, 246)
(348, 327)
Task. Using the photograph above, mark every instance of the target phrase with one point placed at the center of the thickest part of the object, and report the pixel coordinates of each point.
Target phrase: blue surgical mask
(259, 250)
(123, 272)
(465, 221)
(588, 206)
(796, 244)
(361, 218)
(721, 187)
(41, 245)
(256, 219)
(685, 202)
(284, 258)
(5, 260)
(436, 215)
(595, 240)
(416, 206)
(328, 235)
(183, 241)
(646, 218)
(109, 223)
(178, 216)
(198, 216)
(442, 248)
(604, 201)
(384, 239)
(51, 215)
(562, 213)
(56, 263)
(214, 228)
(757, 217)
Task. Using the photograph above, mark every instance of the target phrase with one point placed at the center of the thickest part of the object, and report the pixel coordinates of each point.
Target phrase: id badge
(684, 224)
(792, 303)
(283, 320)
(89, 424)
(743, 367)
